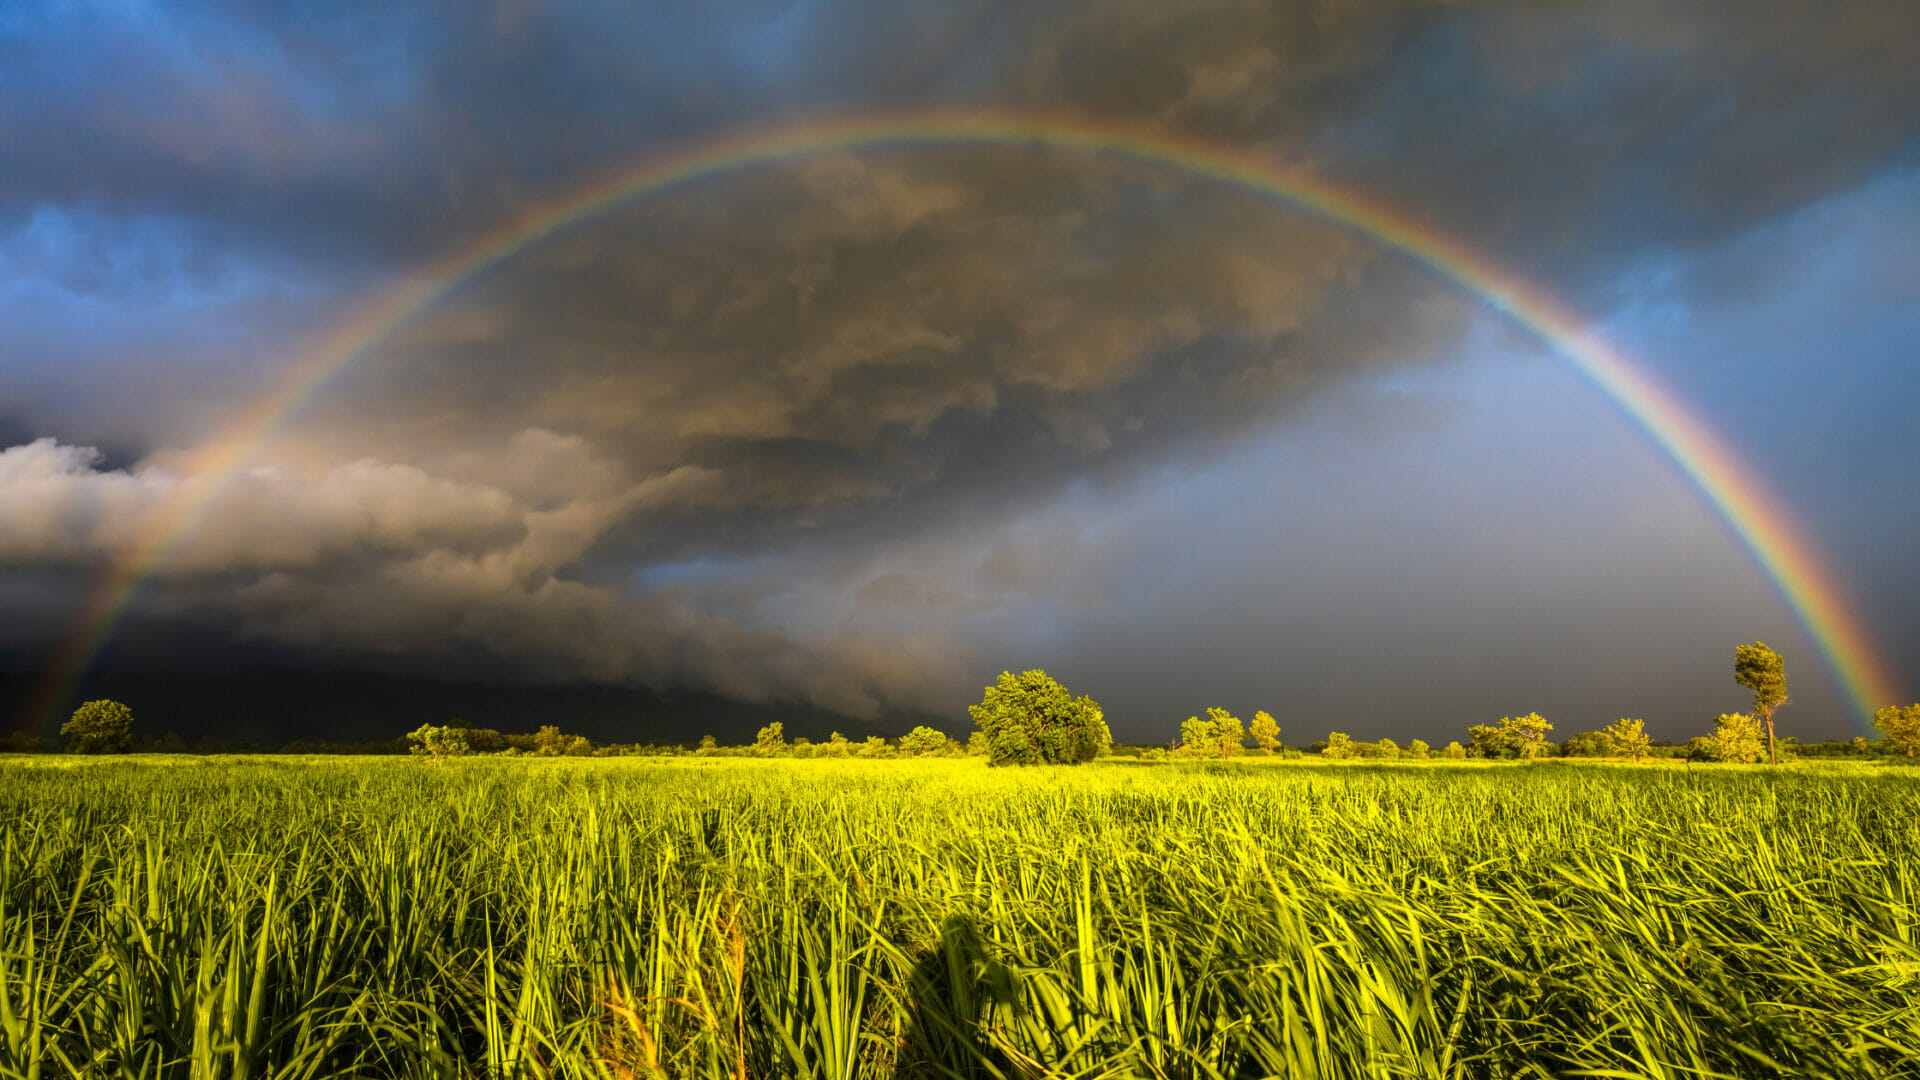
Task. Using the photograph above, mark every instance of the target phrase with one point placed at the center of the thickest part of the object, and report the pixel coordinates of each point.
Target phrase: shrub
(835, 746)
(1339, 745)
(1455, 752)
(1031, 719)
(1419, 750)
(771, 741)
(1386, 748)
(874, 747)
(99, 727)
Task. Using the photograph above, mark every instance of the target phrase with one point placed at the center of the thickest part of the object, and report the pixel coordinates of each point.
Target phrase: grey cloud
(895, 351)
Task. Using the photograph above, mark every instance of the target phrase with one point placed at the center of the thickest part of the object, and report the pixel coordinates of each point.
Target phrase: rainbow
(1758, 521)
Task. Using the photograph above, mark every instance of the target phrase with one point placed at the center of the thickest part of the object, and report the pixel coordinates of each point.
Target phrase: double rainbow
(1755, 518)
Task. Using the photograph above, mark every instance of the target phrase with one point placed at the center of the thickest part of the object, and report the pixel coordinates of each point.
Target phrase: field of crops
(626, 918)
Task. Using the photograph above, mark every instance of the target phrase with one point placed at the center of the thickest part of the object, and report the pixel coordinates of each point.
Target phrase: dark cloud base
(270, 707)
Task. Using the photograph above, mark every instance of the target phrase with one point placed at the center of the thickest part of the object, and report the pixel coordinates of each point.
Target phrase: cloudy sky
(858, 428)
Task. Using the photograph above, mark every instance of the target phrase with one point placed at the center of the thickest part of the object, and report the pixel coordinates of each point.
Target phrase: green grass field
(631, 918)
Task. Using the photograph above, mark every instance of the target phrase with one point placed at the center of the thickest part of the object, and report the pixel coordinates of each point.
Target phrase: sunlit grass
(322, 916)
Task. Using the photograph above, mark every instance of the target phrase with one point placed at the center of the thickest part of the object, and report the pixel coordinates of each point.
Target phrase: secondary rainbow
(1759, 522)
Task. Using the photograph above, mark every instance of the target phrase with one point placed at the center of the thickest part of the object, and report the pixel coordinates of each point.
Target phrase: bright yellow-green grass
(722, 917)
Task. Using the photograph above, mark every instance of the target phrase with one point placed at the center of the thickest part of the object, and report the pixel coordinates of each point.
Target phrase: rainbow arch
(1756, 518)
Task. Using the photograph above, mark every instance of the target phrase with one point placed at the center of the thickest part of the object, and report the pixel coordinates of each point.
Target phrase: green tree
(835, 746)
(1219, 735)
(1386, 748)
(923, 741)
(99, 727)
(1030, 719)
(550, 741)
(482, 740)
(874, 747)
(771, 741)
(1629, 738)
(1455, 751)
(1419, 750)
(977, 744)
(1515, 737)
(1196, 737)
(1265, 732)
(1764, 672)
(1736, 737)
(1339, 745)
(1229, 734)
(438, 742)
(1902, 727)
(709, 746)
(1589, 744)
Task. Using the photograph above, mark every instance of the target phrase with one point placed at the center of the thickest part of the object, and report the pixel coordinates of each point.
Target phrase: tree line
(1031, 718)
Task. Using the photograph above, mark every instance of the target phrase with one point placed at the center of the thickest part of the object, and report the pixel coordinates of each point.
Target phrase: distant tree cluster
(1219, 735)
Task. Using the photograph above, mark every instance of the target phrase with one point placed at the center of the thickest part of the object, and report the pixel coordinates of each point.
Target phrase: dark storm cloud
(906, 350)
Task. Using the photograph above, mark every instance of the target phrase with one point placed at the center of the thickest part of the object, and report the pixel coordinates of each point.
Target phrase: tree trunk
(1773, 758)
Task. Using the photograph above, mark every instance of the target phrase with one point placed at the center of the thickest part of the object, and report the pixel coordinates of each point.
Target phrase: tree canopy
(1763, 671)
(1031, 719)
(1514, 737)
(99, 727)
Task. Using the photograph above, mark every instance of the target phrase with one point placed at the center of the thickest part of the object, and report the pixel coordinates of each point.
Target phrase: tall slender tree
(1763, 671)
(1266, 732)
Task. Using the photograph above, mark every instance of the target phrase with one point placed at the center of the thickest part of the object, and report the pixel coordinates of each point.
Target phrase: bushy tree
(1386, 748)
(1419, 750)
(923, 741)
(1219, 734)
(977, 744)
(709, 746)
(771, 741)
(483, 740)
(1339, 745)
(1589, 744)
(550, 741)
(1265, 732)
(1629, 738)
(1736, 737)
(835, 746)
(1030, 719)
(1455, 752)
(438, 742)
(874, 747)
(1515, 737)
(1902, 727)
(1860, 745)
(99, 727)
(1763, 671)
